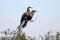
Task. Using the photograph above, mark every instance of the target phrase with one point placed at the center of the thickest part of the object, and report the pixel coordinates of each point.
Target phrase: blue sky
(48, 15)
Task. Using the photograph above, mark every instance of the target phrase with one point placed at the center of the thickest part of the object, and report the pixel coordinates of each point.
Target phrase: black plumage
(28, 18)
(25, 17)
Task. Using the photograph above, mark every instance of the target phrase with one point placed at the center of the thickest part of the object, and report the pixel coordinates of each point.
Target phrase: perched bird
(24, 17)
(29, 17)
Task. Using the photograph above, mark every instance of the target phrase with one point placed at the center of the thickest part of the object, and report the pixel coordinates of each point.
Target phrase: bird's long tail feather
(24, 24)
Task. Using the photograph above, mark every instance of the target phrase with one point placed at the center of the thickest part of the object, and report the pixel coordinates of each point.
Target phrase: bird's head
(28, 8)
(33, 11)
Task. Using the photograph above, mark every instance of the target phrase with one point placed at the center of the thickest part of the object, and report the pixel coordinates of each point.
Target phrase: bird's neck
(27, 13)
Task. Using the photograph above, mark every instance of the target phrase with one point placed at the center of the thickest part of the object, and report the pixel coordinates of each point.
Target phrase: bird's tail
(24, 24)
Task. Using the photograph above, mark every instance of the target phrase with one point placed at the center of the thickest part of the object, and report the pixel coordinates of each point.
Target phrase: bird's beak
(35, 11)
(29, 7)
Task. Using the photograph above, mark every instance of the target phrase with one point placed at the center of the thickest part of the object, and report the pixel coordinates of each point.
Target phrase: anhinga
(24, 17)
(27, 16)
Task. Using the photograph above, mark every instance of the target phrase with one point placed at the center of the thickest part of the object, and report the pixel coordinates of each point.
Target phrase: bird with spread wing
(27, 16)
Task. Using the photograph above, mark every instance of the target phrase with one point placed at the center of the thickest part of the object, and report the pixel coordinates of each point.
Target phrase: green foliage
(57, 36)
(3, 38)
(20, 35)
(15, 35)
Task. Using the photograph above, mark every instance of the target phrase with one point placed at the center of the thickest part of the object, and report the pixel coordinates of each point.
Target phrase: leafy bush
(20, 35)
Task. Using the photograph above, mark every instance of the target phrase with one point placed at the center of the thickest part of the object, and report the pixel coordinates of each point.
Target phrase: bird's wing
(23, 16)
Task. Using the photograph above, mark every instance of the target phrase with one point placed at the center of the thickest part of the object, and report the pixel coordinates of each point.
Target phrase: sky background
(47, 18)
